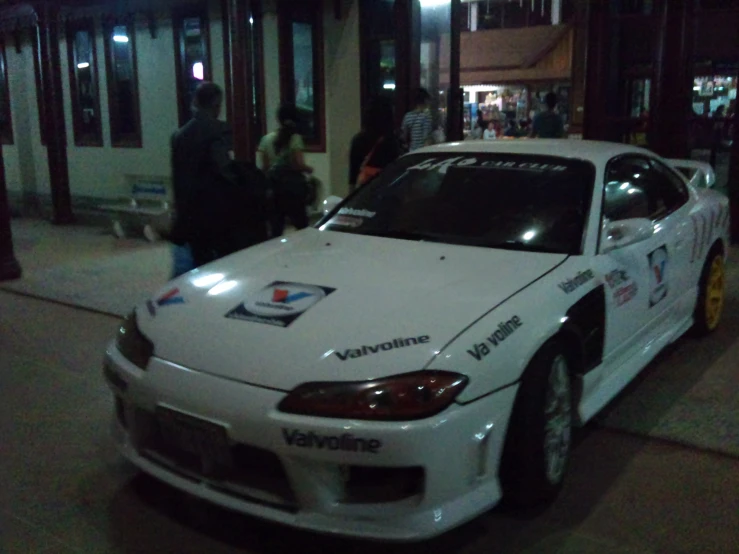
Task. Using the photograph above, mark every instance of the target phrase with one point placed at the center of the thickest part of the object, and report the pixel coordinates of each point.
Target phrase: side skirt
(616, 377)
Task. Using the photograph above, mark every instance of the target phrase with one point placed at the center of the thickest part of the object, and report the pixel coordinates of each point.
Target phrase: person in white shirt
(417, 124)
(489, 133)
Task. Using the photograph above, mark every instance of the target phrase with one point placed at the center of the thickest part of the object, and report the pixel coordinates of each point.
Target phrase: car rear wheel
(710, 304)
(539, 439)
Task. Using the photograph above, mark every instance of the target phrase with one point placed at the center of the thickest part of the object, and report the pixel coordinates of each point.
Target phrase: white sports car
(426, 348)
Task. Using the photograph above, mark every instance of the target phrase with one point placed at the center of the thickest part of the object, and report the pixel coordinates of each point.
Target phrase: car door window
(639, 187)
(669, 186)
(626, 195)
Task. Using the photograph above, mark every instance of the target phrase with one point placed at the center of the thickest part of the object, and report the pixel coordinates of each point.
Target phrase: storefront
(513, 105)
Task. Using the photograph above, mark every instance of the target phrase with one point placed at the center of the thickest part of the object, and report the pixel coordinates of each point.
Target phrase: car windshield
(510, 201)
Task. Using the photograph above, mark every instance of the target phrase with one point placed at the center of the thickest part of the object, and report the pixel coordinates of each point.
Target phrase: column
(596, 70)
(579, 66)
(455, 99)
(408, 55)
(53, 94)
(9, 266)
(239, 76)
(673, 80)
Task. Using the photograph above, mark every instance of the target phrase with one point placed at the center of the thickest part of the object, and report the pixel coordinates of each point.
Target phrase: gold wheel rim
(714, 302)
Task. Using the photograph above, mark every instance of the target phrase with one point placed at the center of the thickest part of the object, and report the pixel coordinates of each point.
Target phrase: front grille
(256, 475)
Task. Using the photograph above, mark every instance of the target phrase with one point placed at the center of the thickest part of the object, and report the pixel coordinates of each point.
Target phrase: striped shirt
(418, 126)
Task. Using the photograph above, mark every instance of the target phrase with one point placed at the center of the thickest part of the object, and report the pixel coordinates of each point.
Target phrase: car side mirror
(617, 234)
(330, 203)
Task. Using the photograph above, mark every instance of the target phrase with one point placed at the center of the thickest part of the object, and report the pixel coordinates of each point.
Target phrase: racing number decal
(658, 273)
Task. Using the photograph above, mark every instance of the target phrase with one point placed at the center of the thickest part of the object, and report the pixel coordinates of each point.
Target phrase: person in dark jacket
(376, 145)
(216, 211)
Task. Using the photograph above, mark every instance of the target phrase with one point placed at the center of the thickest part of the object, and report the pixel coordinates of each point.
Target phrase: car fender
(494, 351)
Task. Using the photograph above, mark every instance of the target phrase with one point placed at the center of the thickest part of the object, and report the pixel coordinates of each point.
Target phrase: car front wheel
(539, 439)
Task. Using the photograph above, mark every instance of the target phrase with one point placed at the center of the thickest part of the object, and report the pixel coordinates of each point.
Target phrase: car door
(637, 277)
(674, 202)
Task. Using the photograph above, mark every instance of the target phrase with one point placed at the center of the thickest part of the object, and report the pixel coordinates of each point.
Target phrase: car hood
(329, 306)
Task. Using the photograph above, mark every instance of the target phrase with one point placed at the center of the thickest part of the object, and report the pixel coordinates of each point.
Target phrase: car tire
(539, 438)
(711, 294)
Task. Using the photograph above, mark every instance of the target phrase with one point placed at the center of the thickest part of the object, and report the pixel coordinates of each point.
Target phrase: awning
(509, 48)
(542, 52)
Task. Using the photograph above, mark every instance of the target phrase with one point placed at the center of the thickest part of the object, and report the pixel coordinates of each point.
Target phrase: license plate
(205, 439)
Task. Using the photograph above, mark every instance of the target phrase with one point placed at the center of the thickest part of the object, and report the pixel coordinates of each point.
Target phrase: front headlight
(131, 342)
(400, 398)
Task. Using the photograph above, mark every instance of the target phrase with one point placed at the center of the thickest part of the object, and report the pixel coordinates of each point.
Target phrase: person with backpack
(283, 162)
(375, 146)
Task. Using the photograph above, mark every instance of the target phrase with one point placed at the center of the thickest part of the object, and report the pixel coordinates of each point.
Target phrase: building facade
(91, 90)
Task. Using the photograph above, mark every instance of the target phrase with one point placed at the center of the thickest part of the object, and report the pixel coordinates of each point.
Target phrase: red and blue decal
(283, 296)
(170, 298)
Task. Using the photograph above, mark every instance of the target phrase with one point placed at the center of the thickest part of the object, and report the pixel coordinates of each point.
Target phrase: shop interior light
(120, 38)
(434, 3)
(198, 71)
(83, 65)
(389, 86)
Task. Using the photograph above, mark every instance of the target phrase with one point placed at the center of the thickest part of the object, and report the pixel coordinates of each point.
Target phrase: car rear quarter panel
(710, 218)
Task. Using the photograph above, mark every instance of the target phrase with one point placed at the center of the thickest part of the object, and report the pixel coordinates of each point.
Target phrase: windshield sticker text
(357, 213)
(577, 281)
(346, 221)
(441, 166)
(345, 442)
(505, 329)
(381, 347)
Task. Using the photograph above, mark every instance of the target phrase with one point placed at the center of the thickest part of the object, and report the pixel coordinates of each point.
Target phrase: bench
(148, 208)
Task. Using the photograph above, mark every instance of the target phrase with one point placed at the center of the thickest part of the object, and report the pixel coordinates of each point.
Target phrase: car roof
(598, 152)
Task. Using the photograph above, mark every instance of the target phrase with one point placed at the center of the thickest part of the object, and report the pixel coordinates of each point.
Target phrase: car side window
(640, 187)
(669, 186)
(626, 195)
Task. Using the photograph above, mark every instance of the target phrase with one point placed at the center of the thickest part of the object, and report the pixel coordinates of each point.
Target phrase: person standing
(417, 124)
(283, 161)
(375, 146)
(548, 123)
(202, 175)
(490, 133)
(479, 130)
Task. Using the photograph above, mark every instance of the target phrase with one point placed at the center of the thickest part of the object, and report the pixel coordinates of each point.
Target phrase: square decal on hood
(280, 303)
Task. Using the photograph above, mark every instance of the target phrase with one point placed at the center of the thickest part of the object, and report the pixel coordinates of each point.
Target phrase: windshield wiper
(398, 234)
(523, 245)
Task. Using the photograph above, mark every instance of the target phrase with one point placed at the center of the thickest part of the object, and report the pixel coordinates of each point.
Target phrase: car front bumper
(382, 480)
